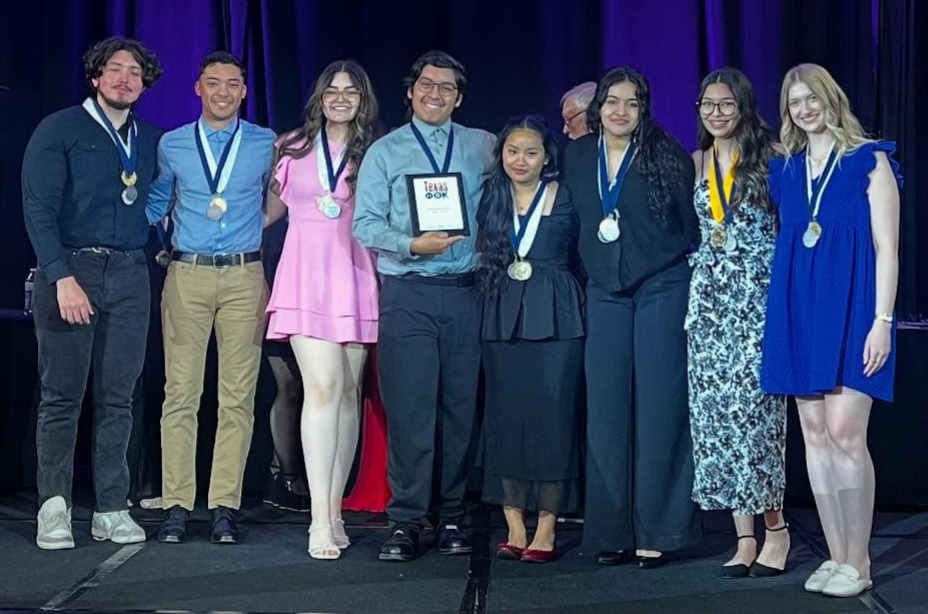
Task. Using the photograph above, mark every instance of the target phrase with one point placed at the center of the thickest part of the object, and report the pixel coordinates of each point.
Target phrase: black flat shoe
(733, 572)
(222, 527)
(616, 557)
(402, 545)
(174, 528)
(650, 562)
(759, 570)
(451, 540)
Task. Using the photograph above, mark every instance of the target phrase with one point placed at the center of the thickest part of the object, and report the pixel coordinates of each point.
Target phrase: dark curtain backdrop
(521, 56)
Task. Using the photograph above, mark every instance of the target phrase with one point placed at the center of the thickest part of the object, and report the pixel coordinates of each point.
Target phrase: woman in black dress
(532, 339)
(632, 188)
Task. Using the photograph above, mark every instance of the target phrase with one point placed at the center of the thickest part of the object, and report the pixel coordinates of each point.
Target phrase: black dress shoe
(222, 528)
(650, 562)
(610, 557)
(451, 540)
(759, 570)
(174, 528)
(402, 546)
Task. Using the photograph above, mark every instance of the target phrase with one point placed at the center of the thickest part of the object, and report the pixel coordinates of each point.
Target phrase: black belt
(217, 259)
(464, 280)
(96, 249)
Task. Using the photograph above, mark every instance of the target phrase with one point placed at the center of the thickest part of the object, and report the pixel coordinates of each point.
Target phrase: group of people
(677, 297)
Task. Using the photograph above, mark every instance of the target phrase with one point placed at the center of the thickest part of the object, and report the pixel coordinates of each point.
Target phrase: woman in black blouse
(532, 339)
(632, 188)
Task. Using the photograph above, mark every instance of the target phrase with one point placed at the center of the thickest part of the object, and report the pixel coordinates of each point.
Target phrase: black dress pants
(429, 361)
(639, 453)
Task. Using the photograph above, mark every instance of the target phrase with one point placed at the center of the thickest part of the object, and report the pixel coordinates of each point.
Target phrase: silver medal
(608, 230)
(520, 270)
(812, 234)
(217, 207)
(731, 244)
(328, 207)
(129, 194)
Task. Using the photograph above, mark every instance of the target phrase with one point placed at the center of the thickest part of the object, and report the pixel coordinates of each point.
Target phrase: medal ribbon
(523, 233)
(428, 152)
(332, 175)
(128, 155)
(814, 193)
(609, 192)
(719, 199)
(217, 174)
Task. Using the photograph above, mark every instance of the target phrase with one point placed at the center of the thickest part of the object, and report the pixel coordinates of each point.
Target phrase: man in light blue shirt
(429, 337)
(212, 177)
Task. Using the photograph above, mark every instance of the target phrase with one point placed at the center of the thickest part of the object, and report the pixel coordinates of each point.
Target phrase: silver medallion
(520, 270)
(608, 230)
(217, 207)
(812, 234)
(129, 194)
(328, 207)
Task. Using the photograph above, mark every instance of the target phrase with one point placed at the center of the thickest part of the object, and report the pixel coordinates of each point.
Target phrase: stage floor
(271, 572)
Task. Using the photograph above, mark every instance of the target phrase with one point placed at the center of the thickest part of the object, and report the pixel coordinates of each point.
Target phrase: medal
(328, 207)
(163, 258)
(520, 270)
(217, 207)
(812, 234)
(718, 237)
(731, 244)
(608, 230)
(130, 193)
(609, 191)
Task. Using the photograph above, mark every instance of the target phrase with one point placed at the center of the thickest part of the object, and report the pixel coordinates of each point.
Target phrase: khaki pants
(195, 299)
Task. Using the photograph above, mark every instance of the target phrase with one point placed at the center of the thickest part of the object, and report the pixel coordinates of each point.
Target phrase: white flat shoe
(846, 582)
(820, 577)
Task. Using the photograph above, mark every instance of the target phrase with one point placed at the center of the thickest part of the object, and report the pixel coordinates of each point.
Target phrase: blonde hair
(839, 120)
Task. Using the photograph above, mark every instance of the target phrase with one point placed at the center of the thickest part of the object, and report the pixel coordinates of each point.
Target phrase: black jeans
(429, 359)
(113, 345)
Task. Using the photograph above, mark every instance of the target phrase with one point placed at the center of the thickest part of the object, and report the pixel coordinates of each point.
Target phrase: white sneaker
(846, 582)
(118, 527)
(54, 525)
(820, 577)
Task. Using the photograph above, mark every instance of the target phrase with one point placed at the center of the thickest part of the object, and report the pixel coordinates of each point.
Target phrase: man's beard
(118, 105)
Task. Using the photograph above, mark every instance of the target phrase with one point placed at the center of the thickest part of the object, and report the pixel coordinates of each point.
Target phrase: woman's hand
(877, 347)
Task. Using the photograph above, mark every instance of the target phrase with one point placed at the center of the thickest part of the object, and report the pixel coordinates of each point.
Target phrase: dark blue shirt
(71, 189)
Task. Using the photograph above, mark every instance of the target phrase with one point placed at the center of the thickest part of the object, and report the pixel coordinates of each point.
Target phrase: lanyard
(333, 175)
(814, 193)
(428, 152)
(128, 154)
(206, 158)
(523, 233)
(720, 191)
(609, 192)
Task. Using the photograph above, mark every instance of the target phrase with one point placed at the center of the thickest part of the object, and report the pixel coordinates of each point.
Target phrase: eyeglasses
(567, 120)
(445, 88)
(349, 95)
(725, 107)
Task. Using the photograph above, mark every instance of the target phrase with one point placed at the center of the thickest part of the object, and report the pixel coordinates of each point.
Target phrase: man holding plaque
(214, 172)
(418, 191)
(86, 174)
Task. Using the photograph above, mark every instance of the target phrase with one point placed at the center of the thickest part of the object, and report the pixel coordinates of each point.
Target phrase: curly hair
(100, 53)
(364, 128)
(659, 154)
(839, 120)
(753, 136)
(495, 211)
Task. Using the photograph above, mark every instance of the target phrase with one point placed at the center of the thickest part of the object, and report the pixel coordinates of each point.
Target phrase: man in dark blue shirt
(86, 174)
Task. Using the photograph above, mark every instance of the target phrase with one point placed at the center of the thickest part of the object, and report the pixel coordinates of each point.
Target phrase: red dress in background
(371, 492)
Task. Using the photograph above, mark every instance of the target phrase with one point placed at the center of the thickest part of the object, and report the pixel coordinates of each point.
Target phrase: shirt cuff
(55, 270)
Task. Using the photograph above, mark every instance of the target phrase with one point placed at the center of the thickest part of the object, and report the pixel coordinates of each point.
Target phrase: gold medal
(127, 179)
(718, 237)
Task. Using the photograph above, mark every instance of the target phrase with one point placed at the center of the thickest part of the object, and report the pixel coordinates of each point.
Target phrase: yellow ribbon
(715, 199)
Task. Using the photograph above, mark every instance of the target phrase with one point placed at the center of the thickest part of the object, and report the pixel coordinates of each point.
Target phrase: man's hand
(73, 303)
(433, 243)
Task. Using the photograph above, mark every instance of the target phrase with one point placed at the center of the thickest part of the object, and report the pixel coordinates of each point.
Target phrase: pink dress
(326, 283)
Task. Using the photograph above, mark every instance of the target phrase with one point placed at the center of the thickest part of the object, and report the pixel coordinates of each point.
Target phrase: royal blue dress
(821, 302)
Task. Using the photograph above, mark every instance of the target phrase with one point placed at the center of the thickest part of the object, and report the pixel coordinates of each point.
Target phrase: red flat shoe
(508, 552)
(537, 556)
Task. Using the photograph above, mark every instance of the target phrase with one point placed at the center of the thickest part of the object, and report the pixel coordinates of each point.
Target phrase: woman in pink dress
(325, 292)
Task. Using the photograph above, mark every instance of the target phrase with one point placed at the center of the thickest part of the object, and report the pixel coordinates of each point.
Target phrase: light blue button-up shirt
(381, 215)
(182, 182)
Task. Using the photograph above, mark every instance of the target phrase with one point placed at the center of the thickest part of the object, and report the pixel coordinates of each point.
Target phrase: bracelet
(884, 317)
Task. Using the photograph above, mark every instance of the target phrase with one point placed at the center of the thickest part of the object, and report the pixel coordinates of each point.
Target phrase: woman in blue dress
(830, 330)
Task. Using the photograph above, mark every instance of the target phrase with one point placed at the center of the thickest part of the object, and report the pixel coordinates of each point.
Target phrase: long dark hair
(365, 127)
(753, 136)
(659, 154)
(495, 210)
